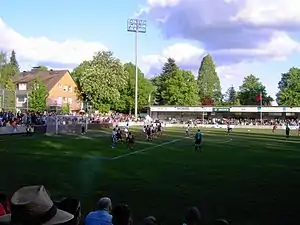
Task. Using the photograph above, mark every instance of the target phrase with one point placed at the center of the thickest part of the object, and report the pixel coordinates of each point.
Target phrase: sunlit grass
(247, 176)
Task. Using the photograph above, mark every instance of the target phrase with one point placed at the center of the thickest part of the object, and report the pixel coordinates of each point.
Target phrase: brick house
(59, 83)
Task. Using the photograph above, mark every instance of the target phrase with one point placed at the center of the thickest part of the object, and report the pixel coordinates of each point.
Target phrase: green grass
(247, 177)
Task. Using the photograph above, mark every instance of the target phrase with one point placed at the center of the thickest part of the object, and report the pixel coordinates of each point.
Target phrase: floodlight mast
(137, 26)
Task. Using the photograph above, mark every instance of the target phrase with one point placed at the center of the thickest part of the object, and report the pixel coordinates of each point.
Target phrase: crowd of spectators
(253, 122)
(112, 118)
(12, 119)
(32, 205)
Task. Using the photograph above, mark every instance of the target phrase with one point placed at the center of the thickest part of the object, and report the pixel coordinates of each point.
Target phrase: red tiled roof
(49, 78)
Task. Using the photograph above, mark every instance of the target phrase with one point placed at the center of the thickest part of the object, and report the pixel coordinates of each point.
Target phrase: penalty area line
(144, 149)
(221, 142)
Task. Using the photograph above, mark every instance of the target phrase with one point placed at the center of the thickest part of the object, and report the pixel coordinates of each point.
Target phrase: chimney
(35, 69)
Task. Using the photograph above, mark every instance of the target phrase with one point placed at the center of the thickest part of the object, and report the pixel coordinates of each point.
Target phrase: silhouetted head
(121, 215)
(193, 216)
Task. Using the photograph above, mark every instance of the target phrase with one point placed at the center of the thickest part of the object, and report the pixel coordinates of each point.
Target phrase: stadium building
(207, 112)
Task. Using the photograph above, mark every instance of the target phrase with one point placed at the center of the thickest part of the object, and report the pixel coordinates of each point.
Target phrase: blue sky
(243, 36)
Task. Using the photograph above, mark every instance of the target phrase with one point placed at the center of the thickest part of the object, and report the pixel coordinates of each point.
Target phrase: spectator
(72, 206)
(102, 215)
(221, 222)
(121, 215)
(193, 217)
(32, 205)
(150, 220)
(4, 205)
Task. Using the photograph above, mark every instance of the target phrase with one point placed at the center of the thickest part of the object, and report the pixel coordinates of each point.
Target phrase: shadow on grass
(226, 180)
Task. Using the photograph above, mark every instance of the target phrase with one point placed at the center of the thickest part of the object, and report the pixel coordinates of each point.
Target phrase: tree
(37, 96)
(289, 88)
(268, 101)
(6, 70)
(145, 90)
(168, 71)
(249, 90)
(14, 63)
(207, 101)
(231, 97)
(181, 89)
(9, 85)
(76, 75)
(101, 80)
(65, 108)
(208, 81)
(157, 83)
(41, 68)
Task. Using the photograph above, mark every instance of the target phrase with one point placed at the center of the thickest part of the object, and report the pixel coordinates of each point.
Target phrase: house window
(23, 87)
(65, 88)
(65, 100)
(59, 101)
(70, 89)
(60, 86)
(70, 100)
(21, 99)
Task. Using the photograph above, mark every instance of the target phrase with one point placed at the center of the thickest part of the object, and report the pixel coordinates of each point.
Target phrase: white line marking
(145, 149)
(225, 141)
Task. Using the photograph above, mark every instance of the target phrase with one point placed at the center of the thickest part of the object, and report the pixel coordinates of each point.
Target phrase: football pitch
(249, 177)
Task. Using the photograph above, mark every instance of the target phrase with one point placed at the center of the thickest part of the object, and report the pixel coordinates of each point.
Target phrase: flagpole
(261, 114)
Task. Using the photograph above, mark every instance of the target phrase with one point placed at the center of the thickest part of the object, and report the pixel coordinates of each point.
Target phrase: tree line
(108, 84)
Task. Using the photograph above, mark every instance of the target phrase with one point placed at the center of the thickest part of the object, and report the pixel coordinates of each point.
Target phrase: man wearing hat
(32, 205)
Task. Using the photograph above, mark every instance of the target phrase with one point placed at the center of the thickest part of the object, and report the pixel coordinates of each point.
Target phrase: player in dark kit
(119, 135)
(229, 129)
(130, 141)
(287, 131)
(153, 129)
(149, 133)
(198, 140)
(159, 130)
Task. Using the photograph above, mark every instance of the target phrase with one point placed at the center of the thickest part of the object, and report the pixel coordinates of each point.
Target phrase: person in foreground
(102, 214)
(121, 215)
(193, 217)
(198, 140)
(31, 205)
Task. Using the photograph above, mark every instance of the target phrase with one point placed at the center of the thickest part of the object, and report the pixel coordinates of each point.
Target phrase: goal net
(66, 124)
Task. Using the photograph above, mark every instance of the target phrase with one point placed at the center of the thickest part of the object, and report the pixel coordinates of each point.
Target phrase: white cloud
(254, 11)
(231, 30)
(183, 53)
(190, 56)
(268, 12)
(279, 47)
(31, 50)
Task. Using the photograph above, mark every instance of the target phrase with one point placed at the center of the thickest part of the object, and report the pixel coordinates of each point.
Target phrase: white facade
(235, 109)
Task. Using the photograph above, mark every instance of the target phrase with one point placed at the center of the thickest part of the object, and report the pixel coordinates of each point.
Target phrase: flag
(259, 97)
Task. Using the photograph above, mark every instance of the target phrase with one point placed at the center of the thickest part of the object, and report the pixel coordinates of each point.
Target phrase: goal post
(61, 124)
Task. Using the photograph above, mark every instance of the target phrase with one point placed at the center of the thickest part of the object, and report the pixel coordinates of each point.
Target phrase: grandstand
(253, 112)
